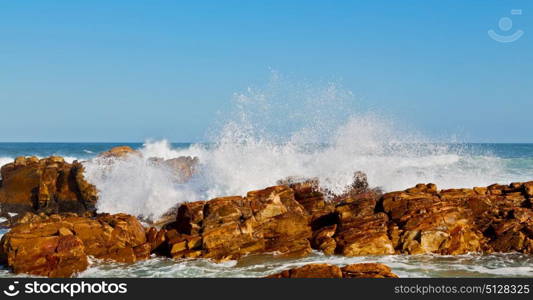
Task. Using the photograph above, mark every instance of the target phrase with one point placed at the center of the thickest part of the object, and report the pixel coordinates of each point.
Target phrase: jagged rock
(311, 271)
(351, 227)
(119, 151)
(456, 221)
(367, 270)
(58, 245)
(422, 219)
(430, 222)
(364, 270)
(323, 239)
(268, 220)
(312, 198)
(48, 185)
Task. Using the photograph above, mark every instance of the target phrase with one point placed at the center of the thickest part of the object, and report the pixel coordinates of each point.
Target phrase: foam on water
(471, 265)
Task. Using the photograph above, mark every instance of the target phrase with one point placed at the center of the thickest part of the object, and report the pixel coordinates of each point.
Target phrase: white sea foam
(277, 132)
(470, 265)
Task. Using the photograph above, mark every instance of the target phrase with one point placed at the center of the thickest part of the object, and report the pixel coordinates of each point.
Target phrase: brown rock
(528, 189)
(364, 236)
(58, 246)
(365, 270)
(119, 151)
(311, 271)
(268, 220)
(52, 256)
(308, 193)
(457, 221)
(323, 239)
(49, 185)
(183, 166)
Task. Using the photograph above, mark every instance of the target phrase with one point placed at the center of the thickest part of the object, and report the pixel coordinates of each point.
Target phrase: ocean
(233, 166)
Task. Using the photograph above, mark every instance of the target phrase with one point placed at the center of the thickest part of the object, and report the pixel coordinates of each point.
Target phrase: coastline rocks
(58, 245)
(421, 220)
(268, 220)
(432, 222)
(119, 151)
(498, 218)
(48, 185)
(364, 270)
(347, 224)
(183, 167)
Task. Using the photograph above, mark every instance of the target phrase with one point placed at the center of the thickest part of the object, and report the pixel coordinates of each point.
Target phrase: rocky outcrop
(48, 185)
(365, 270)
(426, 221)
(497, 218)
(268, 220)
(361, 221)
(58, 245)
(419, 220)
(51, 185)
(119, 151)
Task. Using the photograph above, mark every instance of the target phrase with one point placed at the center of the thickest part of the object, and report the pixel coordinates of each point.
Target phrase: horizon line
(205, 142)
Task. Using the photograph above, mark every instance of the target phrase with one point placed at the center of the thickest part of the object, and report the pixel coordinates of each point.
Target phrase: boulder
(119, 151)
(268, 220)
(58, 245)
(497, 218)
(432, 222)
(367, 270)
(48, 185)
(364, 270)
(421, 219)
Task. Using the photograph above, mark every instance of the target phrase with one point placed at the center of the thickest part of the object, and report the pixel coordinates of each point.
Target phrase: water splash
(287, 129)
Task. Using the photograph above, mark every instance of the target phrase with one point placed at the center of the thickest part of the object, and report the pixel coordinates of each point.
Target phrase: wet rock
(48, 185)
(365, 270)
(497, 218)
(432, 222)
(323, 239)
(364, 235)
(422, 219)
(354, 228)
(268, 220)
(58, 245)
(119, 151)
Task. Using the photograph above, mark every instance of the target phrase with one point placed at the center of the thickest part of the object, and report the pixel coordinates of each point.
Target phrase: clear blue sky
(131, 70)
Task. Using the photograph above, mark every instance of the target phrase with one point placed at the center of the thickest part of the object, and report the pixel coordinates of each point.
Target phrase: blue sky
(132, 70)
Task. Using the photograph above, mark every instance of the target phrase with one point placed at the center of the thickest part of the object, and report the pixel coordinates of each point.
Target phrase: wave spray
(289, 129)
